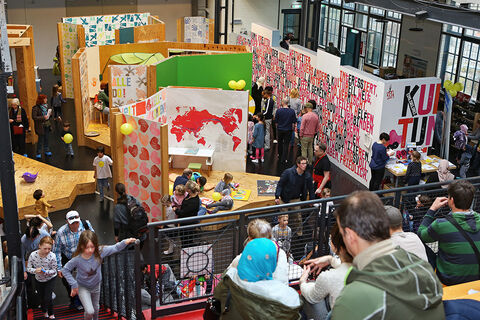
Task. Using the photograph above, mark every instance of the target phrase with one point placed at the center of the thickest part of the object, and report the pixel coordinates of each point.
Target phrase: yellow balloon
(216, 196)
(170, 189)
(126, 129)
(458, 86)
(232, 84)
(448, 84)
(452, 92)
(68, 138)
(241, 84)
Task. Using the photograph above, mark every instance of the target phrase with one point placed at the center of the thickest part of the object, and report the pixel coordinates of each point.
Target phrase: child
(326, 193)
(225, 184)
(68, 146)
(226, 203)
(259, 138)
(178, 196)
(56, 102)
(87, 260)
(282, 233)
(414, 170)
(250, 125)
(415, 216)
(102, 165)
(40, 223)
(43, 264)
(41, 205)
(170, 214)
(201, 181)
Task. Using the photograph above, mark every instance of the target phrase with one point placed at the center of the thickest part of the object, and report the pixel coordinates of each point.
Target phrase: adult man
(187, 174)
(309, 127)
(285, 119)
(332, 49)
(268, 114)
(385, 282)
(456, 260)
(408, 241)
(321, 168)
(293, 186)
(66, 242)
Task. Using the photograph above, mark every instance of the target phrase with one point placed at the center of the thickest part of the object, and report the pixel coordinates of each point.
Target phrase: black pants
(45, 290)
(284, 138)
(18, 143)
(57, 112)
(32, 298)
(376, 179)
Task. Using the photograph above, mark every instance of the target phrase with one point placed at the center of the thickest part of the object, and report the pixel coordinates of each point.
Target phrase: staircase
(64, 312)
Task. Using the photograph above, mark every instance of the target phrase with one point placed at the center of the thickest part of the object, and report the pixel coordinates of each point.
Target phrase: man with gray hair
(286, 122)
(408, 241)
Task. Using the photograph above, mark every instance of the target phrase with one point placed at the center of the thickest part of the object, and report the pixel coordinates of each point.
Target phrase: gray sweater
(89, 272)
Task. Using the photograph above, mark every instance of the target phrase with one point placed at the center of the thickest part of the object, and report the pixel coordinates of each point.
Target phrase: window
(322, 34)
(458, 58)
(333, 26)
(392, 38)
(361, 21)
(374, 44)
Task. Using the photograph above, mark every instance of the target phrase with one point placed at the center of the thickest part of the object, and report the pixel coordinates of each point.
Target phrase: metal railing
(204, 246)
(13, 305)
(121, 283)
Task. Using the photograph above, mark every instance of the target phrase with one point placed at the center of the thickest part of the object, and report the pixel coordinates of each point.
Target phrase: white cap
(73, 216)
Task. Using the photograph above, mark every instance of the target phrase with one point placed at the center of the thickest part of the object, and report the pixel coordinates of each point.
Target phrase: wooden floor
(60, 186)
(246, 181)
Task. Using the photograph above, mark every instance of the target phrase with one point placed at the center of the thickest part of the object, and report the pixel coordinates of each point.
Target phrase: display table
(190, 152)
(429, 165)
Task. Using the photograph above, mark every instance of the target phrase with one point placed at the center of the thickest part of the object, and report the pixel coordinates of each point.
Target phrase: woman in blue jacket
(378, 161)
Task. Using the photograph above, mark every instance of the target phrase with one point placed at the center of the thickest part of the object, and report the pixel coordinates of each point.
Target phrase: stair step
(64, 312)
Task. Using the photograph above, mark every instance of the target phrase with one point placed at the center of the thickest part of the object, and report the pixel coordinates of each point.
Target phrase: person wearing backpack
(66, 242)
(129, 217)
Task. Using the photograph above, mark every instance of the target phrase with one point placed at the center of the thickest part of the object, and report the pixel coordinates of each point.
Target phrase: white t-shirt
(410, 242)
(103, 166)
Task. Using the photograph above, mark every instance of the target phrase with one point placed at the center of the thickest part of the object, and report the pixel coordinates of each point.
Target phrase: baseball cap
(394, 216)
(72, 216)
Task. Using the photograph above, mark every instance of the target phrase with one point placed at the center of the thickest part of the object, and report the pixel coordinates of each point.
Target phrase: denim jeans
(90, 299)
(68, 148)
(43, 140)
(102, 183)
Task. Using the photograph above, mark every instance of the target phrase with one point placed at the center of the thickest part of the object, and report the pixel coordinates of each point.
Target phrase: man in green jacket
(385, 282)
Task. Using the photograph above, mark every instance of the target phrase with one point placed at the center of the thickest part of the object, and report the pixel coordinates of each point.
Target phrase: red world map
(194, 121)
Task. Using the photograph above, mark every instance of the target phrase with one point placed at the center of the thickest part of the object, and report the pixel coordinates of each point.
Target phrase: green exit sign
(296, 6)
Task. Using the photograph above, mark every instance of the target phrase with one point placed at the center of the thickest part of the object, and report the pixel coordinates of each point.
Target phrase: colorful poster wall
(84, 86)
(354, 106)
(128, 84)
(69, 46)
(93, 60)
(152, 108)
(211, 119)
(100, 30)
(195, 30)
(142, 164)
(207, 71)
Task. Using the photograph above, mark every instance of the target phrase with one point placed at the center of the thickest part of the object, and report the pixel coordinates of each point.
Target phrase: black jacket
(286, 186)
(189, 208)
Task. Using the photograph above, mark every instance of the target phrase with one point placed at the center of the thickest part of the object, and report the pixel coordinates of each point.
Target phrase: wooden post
(164, 157)
(116, 141)
(77, 93)
(117, 36)
(81, 37)
(180, 29)
(211, 30)
(27, 87)
(151, 80)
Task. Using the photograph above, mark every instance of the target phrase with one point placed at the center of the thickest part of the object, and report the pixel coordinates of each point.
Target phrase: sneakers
(38, 156)
(275, 141)
(262, 160)
(48, 154)
(255, 160)
(26, 155)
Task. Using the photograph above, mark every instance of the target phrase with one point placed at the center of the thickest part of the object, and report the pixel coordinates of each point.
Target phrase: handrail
(11, 297)
(397, 191)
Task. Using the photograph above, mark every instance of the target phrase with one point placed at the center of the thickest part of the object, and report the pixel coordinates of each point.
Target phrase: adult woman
(257, 90)
(260, 228)
(329, 283)
(254, 294)
(189, 208)
(121, 214)
(443, 174)
(295, 103)
(18, 126)
(41, 113)
(378, 161)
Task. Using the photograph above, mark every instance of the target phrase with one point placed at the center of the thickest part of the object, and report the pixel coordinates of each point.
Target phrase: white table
(187, 152)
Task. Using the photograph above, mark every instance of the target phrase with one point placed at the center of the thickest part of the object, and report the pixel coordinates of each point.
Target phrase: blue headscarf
(258, 260)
